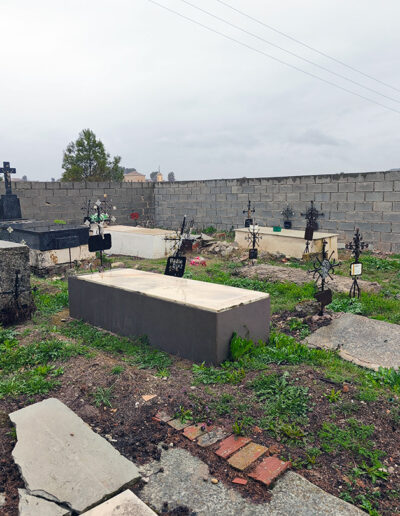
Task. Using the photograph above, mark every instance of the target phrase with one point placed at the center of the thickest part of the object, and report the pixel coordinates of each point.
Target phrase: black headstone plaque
(253, 254)
(324, 297)
(248, 223)
(287, 224)
(309, 233)
(175, 266)
(99, 243)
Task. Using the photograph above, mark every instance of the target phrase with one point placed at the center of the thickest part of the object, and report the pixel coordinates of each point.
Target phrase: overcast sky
(160, 91)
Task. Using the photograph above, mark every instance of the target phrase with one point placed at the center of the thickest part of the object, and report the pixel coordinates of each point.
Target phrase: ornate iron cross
(312, 215)
(323, 270)
(287, 214)
(176, 263)
(249, 221)
(253, 237)
(6, 170)
(357, 245)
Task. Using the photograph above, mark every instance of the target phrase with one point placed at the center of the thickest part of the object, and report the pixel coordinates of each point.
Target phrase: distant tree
(53, 180)
(153, 176)
(24, 178)
(171, 177)
(87, 160)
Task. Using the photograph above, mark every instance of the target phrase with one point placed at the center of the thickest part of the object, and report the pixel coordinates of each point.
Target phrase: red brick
(230, 445)
(194, 431)
(243, 458)
(269, 470)
(240, 481)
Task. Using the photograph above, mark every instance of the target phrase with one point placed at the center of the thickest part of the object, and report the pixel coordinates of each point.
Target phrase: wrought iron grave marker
(323, 270)
(176, 263)
(312, 215)
(287, 214)
(357, 245)
(249, 221)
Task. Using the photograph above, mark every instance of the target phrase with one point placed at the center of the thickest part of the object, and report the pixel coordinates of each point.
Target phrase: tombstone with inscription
(10, 208)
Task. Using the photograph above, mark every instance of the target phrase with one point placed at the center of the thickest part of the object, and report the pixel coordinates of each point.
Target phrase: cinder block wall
(370, 201)
(63, 201)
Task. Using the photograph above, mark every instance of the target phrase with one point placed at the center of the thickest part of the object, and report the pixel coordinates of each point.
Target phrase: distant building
(131, 175)
(159, 177)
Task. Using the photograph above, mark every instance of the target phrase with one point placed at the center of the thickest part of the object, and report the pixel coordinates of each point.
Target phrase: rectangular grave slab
(192, 319)
(63, 460)
(141, 242)
(289, 242)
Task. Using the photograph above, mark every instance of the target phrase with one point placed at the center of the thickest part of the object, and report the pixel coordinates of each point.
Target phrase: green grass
(29, 369)
(51, 303)
(135, 351)
(102, 396)
(283, 401)
(213, 375)
(354, 437)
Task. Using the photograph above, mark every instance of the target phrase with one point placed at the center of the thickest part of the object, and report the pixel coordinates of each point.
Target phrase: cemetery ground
(338, 423)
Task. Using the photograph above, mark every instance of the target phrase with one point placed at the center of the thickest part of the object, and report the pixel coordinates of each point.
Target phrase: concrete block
(374, 196)
(317, 187)
(363, 206)
(391, 196)
(347, 187)
(307, 179)
(322, 197)
(194, 319)
(391, 216)
(383, 206)
(383, 186)
(365, 187)
(392, 176)
(307, 196)
(356, 196)
(346, 206)
(382, 227)
(342, 196)
(391, 237)
(330, 187)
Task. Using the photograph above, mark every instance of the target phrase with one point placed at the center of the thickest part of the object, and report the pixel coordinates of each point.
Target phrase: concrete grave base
(289, 242)
(47, 259)
(189, 318)
(141, 242)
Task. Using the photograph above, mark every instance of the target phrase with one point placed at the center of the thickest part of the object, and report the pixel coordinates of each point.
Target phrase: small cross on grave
(253, 237)
(357, 245)
(100, 241)
(176, 263)
(323, 270)
(312, 215)
(287, 214)
(249, 221)
(6, 170)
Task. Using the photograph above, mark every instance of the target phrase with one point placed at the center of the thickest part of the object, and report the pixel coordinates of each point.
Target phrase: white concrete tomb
(141, 242)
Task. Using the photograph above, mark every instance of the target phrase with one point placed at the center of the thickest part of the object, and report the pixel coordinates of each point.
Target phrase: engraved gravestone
(10, 208)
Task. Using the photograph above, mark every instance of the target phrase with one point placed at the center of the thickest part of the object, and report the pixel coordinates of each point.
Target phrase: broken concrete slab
(366, 342)
(182, 483)
(124, 504)
(33, 506)
(63, 460)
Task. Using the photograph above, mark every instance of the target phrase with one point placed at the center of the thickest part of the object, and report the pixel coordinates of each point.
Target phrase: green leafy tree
(153, 176)
(87, 160)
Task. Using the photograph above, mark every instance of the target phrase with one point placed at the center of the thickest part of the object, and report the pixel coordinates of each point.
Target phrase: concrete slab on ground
(366, 342)
(33, 506)
(124, 504)
(63, 460)
(182, 484)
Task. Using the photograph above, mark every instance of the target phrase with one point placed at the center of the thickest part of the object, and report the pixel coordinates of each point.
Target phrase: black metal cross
(287, 214)
(249, 221)
(357, 245)
(176, 263)
(253, 237)
(311, 215)
(322, 270)
(6, 170)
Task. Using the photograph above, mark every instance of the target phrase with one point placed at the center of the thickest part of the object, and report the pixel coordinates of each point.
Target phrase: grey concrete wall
(63, 201)
(370, 201)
